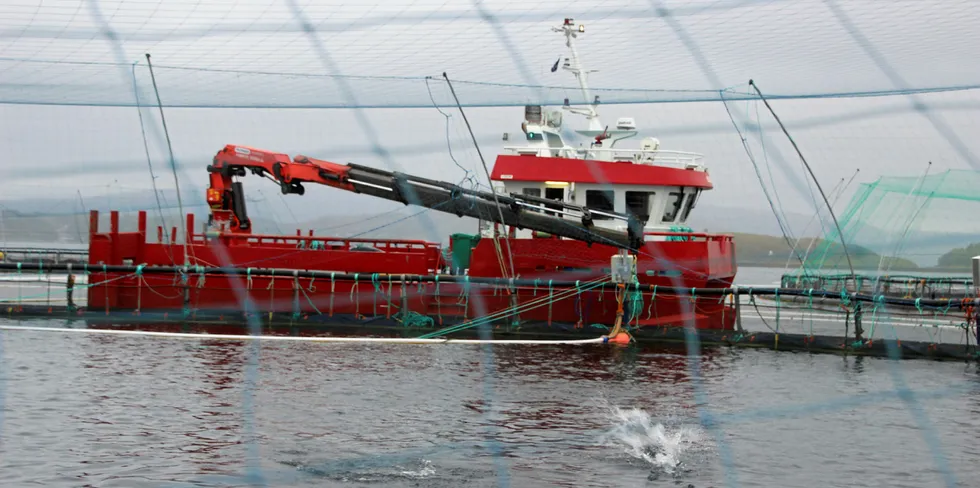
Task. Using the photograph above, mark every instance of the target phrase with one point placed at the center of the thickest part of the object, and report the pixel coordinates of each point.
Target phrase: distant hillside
(752, 249)
(959, 259)
(764, 250)
(17, 228)
(401, 223)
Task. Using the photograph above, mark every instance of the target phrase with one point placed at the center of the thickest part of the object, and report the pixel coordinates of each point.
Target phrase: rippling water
(95, 410)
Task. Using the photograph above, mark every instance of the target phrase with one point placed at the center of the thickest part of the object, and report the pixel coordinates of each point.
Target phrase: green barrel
(462, 246)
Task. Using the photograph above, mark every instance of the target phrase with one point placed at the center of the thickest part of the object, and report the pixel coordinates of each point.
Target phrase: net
(270, 53)
(911, 225)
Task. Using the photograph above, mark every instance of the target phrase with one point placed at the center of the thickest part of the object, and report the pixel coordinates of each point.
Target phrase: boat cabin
(659, 187)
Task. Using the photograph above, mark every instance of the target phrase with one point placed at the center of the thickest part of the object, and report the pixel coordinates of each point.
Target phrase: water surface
(95, 410)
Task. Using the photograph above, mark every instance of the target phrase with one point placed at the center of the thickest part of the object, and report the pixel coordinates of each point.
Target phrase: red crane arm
(227, 200)
(233, 160)
(225, 196)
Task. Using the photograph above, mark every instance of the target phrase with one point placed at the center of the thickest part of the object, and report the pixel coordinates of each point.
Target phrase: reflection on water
(142, 411)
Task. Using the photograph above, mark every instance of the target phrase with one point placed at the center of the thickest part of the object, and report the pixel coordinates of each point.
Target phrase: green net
(914, 226)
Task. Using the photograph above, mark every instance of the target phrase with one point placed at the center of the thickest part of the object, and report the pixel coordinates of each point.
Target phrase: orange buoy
(620, 338)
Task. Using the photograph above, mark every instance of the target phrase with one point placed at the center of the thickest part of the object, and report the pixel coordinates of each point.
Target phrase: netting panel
(258, 53)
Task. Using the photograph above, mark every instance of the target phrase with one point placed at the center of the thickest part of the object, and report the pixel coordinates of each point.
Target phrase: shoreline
(894, 270)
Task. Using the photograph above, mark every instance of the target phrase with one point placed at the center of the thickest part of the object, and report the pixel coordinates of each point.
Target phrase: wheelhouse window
(638, 204)
(554, 194)
(692, 200)
(532, 192)
(674, 200)
(601, 200)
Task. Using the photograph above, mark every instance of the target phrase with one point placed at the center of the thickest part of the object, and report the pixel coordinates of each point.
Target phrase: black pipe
(476, 280)
(450, 198)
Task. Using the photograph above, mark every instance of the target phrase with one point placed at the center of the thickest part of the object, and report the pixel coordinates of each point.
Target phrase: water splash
(425, 469)
(643, 438)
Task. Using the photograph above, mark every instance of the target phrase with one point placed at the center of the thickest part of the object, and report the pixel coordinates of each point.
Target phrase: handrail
(637, 156)
(692, 234)
(701, 235)
(325, 239)
(30, 250)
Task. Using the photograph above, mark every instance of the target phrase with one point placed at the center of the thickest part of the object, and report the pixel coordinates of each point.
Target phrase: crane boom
(522, 211)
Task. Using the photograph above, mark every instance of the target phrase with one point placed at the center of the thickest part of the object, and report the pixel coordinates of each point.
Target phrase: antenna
(574, 65)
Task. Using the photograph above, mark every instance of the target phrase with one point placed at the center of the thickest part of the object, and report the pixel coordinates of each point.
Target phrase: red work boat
(557, 214)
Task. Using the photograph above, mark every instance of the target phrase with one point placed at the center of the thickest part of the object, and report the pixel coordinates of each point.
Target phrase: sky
(69, 125)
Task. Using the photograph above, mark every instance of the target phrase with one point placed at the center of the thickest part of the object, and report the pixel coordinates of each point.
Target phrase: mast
(574, 65)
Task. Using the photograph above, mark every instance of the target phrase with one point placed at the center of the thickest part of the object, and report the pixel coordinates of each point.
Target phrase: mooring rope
(245, 337)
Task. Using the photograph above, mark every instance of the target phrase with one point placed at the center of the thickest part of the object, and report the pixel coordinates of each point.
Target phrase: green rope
(374, 296)
(635, 305)
(879, 301)
(310, 301)
(501, 314)
(186, 303)
(550, 300)
(413, 319)
(201, 276)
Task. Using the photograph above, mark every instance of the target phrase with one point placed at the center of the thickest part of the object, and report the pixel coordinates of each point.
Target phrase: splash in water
(425, 469)
(643, 438)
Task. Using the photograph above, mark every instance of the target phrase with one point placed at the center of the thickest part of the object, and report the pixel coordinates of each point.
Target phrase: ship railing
(43, 255)
(313, 242)
(658, 157)
(688, 236)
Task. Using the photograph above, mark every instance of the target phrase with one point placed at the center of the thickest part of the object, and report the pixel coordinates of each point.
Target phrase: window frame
(692, 201)
(676, 206)
(609, 196)
(650, 196)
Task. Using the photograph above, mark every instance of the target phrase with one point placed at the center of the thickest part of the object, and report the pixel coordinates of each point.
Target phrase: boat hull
(379, 294)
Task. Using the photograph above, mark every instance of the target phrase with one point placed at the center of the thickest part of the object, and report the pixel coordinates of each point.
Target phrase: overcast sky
(788, 47)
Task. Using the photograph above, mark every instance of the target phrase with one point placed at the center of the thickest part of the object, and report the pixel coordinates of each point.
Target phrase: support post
(296, 291)
(976, 276)
(69, 291)
(187, 293)
(403, 300)
(515, 320)
(858, 330)
(737, 298)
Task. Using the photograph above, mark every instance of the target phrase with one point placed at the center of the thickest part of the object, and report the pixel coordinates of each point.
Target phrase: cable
(810, 170)
(149, 164)
(772, 206)
(173, 161)
(500, 212)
